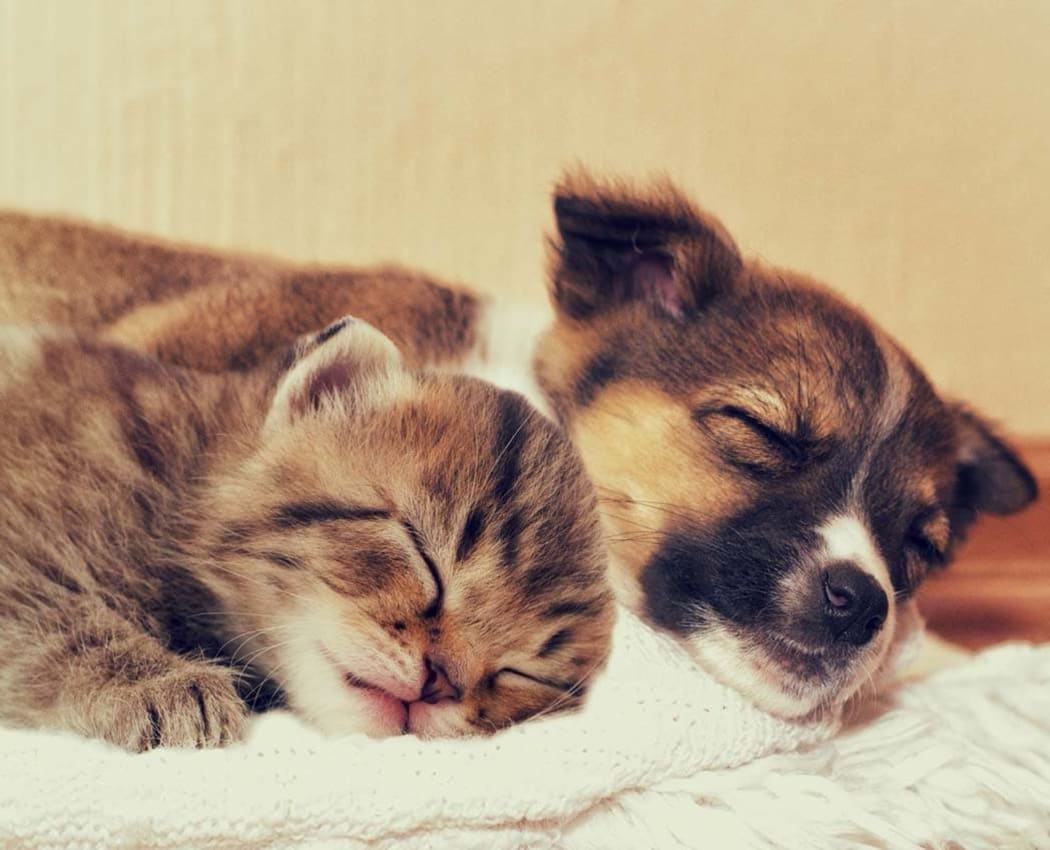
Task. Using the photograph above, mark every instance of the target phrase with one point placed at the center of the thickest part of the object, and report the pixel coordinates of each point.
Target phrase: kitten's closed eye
(554, 684)
(434, 608)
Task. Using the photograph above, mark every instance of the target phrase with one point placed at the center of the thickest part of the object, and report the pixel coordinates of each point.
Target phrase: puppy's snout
(855, 606)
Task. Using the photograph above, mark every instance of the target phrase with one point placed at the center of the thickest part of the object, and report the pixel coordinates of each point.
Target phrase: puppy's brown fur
(778, 475)
(212, 310)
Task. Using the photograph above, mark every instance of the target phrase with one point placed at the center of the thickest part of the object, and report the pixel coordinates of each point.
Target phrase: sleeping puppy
(777, 475)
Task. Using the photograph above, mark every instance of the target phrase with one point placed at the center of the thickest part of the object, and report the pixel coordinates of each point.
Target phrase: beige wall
(900, 150)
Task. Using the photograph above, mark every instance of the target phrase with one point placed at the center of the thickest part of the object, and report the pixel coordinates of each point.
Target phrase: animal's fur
(380, 547)
(211, 310)
(750, 434)
(746, 428)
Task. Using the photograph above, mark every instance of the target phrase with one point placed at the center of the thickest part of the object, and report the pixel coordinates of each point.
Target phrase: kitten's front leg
(178, 703)
(104, 678)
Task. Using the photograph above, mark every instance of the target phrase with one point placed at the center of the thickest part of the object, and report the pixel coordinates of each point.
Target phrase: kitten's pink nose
(438, 686)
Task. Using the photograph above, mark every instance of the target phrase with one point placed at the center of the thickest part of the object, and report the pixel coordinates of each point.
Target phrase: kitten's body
(170, 541)
(102, 458)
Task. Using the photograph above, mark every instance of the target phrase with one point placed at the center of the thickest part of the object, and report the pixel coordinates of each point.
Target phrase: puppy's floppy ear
(617, 245)
(991, 477)
(343, 362)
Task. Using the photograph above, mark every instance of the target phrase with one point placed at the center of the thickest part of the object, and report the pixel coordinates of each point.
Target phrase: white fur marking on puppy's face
(847, 538)
(746, 669)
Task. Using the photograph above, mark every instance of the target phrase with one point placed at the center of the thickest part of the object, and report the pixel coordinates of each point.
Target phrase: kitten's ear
(341, 363)
(616, 245)
(992, 478)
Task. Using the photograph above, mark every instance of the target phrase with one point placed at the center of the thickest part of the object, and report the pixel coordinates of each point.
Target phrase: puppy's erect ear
(347, 362)
(992, 478)
(617, 245)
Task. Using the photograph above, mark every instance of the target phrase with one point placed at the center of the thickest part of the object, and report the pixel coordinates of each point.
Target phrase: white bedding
(663, 757)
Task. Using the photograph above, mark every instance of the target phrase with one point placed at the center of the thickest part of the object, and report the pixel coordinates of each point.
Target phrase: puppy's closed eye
(929, 536)
(751, 442)
(926, 546)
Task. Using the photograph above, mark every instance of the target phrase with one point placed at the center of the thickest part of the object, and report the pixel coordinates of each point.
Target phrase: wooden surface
(999, 588)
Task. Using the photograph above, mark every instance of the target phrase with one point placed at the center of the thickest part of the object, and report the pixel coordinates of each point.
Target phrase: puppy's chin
(317, 691)
(784, 678)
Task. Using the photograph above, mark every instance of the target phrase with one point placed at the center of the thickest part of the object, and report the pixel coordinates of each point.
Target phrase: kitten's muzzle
(854, 604)
(438, 686)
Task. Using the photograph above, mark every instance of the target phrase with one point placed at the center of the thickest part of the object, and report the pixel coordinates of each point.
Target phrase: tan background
(899, 150)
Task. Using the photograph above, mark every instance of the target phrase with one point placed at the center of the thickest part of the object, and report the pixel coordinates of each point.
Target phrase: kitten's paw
(196, 706)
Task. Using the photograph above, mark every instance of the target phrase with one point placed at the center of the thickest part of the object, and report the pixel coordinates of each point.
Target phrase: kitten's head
(778, 474)
(409, 552)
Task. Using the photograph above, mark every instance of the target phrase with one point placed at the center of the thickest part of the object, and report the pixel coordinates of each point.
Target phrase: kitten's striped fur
(386, 550)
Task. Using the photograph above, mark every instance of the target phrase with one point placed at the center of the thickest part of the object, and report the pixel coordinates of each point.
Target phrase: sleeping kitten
(384, 548)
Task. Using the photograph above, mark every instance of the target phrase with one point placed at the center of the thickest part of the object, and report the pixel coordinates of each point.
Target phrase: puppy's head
(777, 475)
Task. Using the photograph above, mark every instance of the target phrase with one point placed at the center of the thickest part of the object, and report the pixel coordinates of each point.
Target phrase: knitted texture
(662, 755)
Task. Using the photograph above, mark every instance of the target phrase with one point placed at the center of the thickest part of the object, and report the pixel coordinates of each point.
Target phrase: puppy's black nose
(855, 605)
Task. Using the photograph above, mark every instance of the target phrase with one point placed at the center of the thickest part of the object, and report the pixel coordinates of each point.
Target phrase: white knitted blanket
(663, 757)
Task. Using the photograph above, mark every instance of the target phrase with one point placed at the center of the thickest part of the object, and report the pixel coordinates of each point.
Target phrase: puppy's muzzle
(854, 605)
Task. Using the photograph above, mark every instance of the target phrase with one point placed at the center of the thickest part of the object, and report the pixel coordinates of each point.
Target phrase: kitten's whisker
(627, 519)
(573, 690)
(245, 637)
(267, 649)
